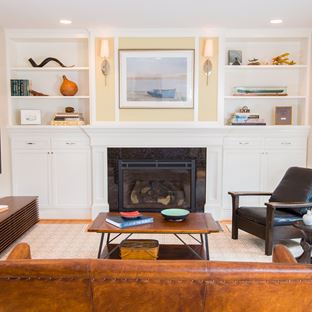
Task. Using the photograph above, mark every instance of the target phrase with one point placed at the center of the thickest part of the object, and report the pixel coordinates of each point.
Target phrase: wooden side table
(306, 241)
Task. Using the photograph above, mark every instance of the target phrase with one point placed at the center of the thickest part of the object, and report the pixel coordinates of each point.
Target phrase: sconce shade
(104, 48)
(208, 52)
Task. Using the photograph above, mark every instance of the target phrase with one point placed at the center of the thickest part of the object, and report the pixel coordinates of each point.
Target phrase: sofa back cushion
(96, 285)
(295, 187)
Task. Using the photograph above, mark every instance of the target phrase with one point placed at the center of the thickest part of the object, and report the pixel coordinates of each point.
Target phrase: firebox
(153, 185)
(152, 179)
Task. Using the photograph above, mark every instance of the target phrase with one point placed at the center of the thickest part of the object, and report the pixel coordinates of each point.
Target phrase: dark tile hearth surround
(160, 154)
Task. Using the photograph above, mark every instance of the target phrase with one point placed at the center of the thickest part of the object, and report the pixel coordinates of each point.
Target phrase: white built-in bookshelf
(294, 77)
(70, 49)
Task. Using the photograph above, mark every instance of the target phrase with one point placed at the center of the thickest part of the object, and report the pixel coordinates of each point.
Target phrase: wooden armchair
(289, 201)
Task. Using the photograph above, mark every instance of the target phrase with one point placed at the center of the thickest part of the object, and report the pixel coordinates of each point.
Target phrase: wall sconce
(208, 53)
(105, 67)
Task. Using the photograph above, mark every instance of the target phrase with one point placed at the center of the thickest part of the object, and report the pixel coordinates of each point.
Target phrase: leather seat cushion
(258, 215)
(295, 187)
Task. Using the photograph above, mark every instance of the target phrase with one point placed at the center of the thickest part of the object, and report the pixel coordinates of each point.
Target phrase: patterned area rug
(61, 241)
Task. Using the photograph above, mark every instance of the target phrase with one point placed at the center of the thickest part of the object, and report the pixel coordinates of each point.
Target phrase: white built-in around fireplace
(68, 169)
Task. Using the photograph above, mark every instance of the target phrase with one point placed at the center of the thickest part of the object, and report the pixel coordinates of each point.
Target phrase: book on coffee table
(123, 223)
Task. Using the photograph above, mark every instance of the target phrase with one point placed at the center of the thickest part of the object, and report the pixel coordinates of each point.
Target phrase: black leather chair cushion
(258, 215)
(295, 187)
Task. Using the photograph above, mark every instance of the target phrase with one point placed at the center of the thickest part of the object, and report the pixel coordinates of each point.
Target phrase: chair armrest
(235, 194)
(288, 205)
(19, 252)
(281, 254)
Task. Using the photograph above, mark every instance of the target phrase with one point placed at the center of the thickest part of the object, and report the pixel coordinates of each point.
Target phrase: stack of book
(67, 119)
(246, 119)
(20, 87)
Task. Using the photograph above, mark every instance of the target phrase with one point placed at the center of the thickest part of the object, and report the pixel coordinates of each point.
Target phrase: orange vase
(68, 87)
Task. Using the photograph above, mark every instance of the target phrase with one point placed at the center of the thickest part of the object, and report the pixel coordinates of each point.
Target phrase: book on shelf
(68, 115)
(67, 119)
(121, 222)
(20, 87)
(249, 119)
(248, 124)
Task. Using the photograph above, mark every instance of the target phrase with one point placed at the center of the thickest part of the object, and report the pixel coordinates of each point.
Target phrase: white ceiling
(155, 13)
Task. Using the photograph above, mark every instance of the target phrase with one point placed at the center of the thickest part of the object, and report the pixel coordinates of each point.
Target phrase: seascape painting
(156, 79)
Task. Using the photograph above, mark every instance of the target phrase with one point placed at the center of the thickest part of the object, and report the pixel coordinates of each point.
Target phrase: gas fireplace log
(162, 192)
(135, 192)
(179, 198)
(164, 200)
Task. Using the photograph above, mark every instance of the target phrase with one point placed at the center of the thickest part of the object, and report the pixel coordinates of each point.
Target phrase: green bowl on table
(175, 214)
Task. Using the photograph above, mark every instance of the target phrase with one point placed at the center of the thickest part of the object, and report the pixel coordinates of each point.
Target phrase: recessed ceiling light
(276, 21)
(65, 22)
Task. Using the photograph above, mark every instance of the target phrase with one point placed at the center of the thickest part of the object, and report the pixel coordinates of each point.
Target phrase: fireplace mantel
(180, 134)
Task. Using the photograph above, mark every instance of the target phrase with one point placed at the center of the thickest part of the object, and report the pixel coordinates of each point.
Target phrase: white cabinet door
(276, 164)
(241, 172)
(71, 179)
(31, 174)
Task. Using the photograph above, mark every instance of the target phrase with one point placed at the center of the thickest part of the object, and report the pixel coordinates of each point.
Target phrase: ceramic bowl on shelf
(175, 214)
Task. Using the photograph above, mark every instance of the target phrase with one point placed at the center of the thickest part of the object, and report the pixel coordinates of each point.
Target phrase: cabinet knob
(243, 143)
(30, 143)
(286, 143)
(70, 143)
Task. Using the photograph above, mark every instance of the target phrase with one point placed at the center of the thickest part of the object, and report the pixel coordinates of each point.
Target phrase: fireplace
(152, 179)
(153, 185)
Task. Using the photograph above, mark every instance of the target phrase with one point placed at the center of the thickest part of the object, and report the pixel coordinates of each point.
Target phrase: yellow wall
(105, 96)
(208, 93)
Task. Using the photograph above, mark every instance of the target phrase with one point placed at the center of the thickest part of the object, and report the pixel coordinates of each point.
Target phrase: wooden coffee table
(200, 224)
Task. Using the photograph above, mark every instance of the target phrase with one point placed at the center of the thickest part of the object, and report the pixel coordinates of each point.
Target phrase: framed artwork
(235, 57)
(283, 115)
(30, 117)
(156, 78)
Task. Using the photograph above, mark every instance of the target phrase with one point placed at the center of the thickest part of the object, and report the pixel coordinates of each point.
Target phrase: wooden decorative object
(36, 93)
(68, 87)
(283, 115)
(69, 109)
(139, 249)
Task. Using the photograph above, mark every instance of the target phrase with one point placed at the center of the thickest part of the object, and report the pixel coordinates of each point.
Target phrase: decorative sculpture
(254, 61)
(68, 87)
(282, 60)
(46, 61)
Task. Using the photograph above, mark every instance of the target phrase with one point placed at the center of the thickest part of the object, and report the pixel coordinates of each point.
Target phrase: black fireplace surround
(153, 179)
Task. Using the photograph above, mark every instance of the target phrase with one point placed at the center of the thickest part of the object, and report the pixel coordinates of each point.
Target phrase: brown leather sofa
(129, 285)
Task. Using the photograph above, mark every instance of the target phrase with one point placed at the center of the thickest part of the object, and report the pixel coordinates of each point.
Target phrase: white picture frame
(156, 78)
(30, 117)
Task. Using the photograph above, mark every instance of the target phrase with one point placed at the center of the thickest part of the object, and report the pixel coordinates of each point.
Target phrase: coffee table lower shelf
(166, 252)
